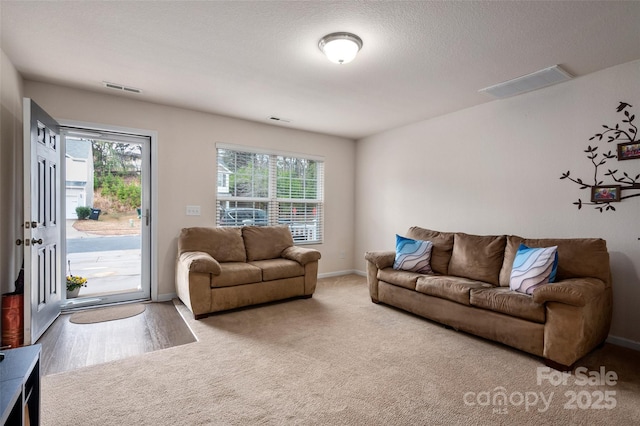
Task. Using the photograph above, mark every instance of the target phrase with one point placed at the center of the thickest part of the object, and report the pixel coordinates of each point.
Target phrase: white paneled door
(41, 222)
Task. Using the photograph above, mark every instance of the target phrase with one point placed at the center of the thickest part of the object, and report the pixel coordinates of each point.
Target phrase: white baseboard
(336, 273)
(615, 340)
(166, 297)
(621, 341)
(170, 296)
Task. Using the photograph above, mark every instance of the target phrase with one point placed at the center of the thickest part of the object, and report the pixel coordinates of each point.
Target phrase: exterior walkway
(107, 272)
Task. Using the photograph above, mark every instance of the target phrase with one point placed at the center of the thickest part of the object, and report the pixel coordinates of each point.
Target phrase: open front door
(42, 230)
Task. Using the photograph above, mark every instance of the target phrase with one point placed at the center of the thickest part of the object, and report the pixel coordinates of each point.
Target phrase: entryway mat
(107, 314)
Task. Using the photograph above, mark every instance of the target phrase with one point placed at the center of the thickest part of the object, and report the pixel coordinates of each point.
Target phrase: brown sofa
(225, 268)
(469, 291)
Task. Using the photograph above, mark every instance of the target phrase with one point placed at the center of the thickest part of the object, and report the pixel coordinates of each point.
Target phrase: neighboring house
(223, 185)
(79, 176)
(223, 179)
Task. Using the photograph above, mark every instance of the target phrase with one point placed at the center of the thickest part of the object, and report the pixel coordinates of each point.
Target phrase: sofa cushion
(477, 257)
(236, 273)
(442, 247)
(275, 269)
(577, 257)
(404, 279)
(223, 244)
(532, 268)
(506, 301)
(447, 287)
(266, 242)
(413, 255)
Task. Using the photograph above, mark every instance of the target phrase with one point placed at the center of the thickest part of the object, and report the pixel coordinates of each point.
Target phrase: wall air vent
(527, 83)
(116, 86)
(278, 119)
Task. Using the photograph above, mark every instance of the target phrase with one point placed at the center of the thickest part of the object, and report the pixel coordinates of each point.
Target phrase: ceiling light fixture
(340, 48)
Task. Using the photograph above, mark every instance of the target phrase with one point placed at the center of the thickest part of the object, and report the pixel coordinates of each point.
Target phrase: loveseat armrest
(199, 261)
(301, 255)
(382, 259)
(575, 291)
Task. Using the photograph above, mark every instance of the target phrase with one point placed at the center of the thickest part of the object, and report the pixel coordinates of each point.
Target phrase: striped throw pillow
(533, 267)
(413, 255)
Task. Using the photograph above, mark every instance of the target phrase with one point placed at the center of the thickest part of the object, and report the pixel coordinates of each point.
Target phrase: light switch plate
(193, 210)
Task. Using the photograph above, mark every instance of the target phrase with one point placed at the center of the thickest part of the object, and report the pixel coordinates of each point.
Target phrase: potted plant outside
(74, 283)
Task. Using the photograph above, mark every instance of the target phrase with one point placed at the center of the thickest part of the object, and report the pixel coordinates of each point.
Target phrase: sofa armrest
(199, 261)
(575, 291)
(301, 255)
(377, 260)
(382, 259)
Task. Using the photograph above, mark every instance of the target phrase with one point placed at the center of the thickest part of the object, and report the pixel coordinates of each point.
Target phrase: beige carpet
(107, 314)
(336, 359)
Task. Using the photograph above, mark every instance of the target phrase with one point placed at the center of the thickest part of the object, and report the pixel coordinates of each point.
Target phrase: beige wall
(495, 169)
(491, 169)
(10, 172)
(187, 164)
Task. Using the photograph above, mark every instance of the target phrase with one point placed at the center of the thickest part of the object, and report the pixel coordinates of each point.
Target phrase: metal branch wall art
(628, 147)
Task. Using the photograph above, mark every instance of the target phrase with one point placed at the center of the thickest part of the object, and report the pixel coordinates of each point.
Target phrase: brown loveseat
(469, 291)
(225, 268)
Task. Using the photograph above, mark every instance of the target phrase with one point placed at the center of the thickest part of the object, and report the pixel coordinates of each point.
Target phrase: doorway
(107, 194)
(44, 221)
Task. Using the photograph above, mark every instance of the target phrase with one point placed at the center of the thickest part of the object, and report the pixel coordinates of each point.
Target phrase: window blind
(261, 188)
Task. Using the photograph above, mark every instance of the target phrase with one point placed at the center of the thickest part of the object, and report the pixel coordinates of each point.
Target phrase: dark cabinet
(20, 386)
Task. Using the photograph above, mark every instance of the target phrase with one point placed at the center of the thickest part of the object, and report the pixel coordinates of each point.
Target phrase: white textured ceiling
(255, 59)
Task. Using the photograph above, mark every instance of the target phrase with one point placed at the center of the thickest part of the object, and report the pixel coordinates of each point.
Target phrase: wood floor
(67, 346)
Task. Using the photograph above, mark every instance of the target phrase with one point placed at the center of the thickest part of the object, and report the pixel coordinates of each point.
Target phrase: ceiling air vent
(527, 83)
(279, 119)
(116, 86)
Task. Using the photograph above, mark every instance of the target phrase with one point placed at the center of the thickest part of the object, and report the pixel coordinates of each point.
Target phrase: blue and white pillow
(533, 267)
(413, 255)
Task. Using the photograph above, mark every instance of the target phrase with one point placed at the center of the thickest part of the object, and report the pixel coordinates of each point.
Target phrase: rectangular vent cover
(279, 119)
(120, 87)
(529, 82)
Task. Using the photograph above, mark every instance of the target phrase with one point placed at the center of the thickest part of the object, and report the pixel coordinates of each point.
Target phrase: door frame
(153, 176)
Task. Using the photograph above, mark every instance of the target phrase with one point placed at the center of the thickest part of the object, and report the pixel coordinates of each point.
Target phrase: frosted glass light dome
(340, 48)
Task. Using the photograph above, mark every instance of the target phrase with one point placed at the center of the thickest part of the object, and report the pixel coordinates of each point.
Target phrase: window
(261, 188)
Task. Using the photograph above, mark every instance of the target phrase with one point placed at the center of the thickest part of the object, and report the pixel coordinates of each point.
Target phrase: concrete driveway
(108, 262)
